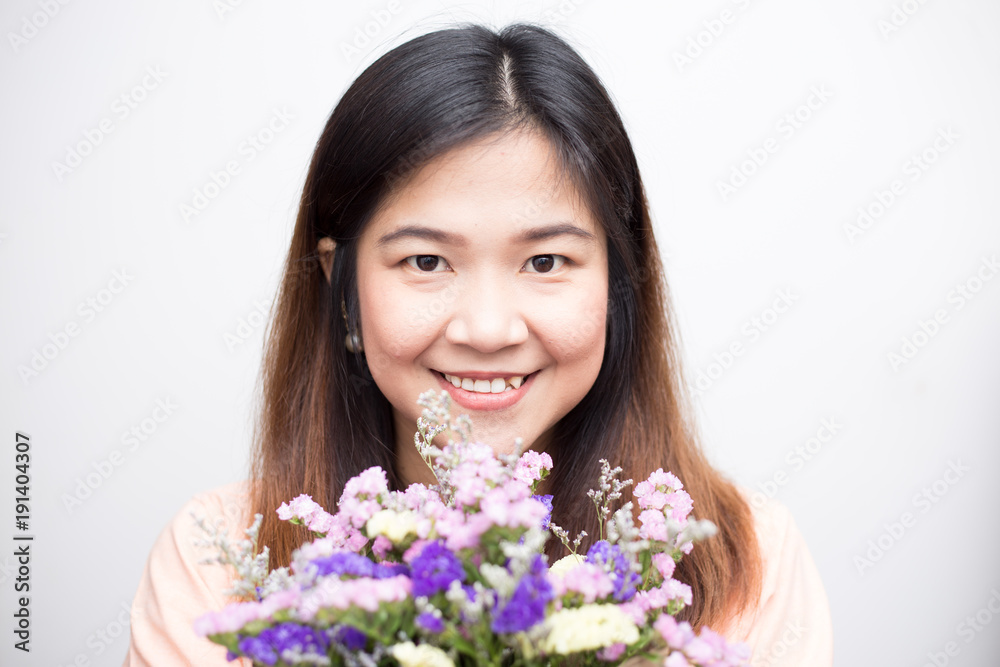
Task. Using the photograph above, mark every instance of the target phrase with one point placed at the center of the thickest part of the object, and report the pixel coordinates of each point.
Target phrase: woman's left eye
(545, 263)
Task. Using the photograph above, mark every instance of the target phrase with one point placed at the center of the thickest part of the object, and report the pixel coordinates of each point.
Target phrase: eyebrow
(441, 236)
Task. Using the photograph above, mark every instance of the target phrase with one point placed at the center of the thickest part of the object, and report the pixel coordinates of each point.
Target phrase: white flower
(566, 563)
(396, 526)
(588, 628)
(425, 655)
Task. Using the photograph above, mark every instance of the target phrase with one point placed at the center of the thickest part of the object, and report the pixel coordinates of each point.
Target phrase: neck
(410, 468)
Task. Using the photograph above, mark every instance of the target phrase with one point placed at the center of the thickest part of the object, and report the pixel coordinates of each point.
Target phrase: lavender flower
(547, 501)
(345, 563)
(526, 607)
(350, 637)
(428, 622)
(434, 569)
(355, 565)
(617, 564)
(271, 643)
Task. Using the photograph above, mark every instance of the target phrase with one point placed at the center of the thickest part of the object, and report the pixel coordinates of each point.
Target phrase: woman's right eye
(427, 263)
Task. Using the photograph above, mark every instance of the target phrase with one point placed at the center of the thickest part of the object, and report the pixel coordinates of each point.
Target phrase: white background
(63, 237)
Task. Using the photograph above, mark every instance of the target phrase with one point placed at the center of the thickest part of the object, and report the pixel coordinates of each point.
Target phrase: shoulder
(228, 502)
(226, 506)
(176, 587)
(791, 623)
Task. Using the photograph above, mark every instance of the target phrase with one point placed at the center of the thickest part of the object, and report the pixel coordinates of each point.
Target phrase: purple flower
(390, 570)
(430, 623)
(268, 646)
(526, 607)
(350, 637)
(434, 569)
(346, 563)
(547, 501)
(616, 563)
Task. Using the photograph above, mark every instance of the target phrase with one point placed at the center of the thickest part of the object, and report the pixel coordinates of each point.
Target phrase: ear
(326, 246)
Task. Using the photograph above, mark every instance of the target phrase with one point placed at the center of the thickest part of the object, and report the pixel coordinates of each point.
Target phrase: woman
(476, 209)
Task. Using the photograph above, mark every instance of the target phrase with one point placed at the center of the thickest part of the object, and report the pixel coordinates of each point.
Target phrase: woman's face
(484, 270)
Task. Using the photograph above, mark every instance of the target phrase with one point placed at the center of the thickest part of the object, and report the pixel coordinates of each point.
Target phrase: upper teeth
(494, 386)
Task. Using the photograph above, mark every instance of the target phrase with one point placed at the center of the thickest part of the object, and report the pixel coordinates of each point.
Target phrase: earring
(353, 340)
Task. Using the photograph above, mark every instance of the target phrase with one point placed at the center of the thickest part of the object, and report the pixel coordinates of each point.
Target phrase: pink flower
(530, 466)
(321, 522)
(587, 579)
(236, 615)
(676, 660)
(414, 550)
(635, 610)
(416, 496)
(362, 593)
(356, 541)
(700, 651)
(368, 485)
(611, 653)
(302, 508)
(665, 479)
(677, 590)
(231, 618)
(677, 635)
(664, 564)
(357, 512)
(469, 490)
(466, 535)
(655, 500)
(680, 504)
(654, 525)
(381, 546)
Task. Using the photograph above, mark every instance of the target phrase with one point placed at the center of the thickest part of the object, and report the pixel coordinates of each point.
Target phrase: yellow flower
(565, 564)
(588, 628)
(424, 655)
(396, 526)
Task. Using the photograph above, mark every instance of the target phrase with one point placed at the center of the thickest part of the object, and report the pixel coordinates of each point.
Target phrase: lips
(472, 400)
(486, 383)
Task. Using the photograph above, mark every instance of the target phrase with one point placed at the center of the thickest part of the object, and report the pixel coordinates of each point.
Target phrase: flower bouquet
(455, 573)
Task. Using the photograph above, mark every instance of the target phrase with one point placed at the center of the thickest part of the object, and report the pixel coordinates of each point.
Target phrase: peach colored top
(791, 625)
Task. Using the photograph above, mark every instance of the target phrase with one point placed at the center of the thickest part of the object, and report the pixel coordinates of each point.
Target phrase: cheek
(574, 329)
(395, 326)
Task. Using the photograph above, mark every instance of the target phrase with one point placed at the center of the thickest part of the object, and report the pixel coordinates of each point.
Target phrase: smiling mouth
(496, 385)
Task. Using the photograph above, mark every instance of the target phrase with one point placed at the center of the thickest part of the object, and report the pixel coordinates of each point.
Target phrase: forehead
(511, 182)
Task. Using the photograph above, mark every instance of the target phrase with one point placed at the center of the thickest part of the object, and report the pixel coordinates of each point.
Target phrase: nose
(486, 316)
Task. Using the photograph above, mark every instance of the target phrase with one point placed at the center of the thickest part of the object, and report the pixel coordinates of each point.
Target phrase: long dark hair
(323, 419)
